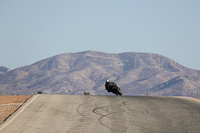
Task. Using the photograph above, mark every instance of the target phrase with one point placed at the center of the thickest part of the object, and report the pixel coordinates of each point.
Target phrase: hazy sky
(32, 30)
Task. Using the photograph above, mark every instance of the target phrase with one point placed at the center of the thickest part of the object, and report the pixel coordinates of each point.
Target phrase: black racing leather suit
(109, 85)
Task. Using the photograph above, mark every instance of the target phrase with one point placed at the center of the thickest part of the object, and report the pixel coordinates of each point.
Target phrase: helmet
(107, 81)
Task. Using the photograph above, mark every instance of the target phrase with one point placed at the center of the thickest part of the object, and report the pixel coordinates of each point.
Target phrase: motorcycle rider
(109, 85)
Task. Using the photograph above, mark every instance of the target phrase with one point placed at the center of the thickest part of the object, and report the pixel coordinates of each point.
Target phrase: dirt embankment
(197, 98)
(8, 104)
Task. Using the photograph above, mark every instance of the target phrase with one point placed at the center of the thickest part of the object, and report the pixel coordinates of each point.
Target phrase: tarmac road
(105, 114)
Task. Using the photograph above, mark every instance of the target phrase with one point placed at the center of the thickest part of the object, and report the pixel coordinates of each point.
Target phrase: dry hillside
(75, 73)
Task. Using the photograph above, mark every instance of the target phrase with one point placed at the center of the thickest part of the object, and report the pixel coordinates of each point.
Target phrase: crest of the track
(103, 114)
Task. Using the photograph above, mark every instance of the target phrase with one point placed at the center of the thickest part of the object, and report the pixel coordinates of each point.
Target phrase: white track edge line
(18, 113)
(194, 99)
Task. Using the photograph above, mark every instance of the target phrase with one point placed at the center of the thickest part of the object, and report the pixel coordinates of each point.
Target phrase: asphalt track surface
(105, 114)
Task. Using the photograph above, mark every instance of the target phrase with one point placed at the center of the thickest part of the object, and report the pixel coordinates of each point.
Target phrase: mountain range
(87, 71)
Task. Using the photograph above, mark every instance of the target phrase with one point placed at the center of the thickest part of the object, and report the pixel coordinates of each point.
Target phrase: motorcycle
(116, 90)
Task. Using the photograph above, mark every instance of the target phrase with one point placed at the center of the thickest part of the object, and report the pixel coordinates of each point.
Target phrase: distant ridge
(75, 73)
(4, 69)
